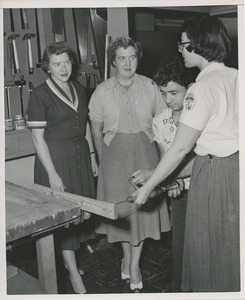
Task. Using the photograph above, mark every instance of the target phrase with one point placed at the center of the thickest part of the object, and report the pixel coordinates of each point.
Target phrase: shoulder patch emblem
(189, 101)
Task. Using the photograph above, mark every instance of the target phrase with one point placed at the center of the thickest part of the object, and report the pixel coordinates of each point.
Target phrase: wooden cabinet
(18, 143)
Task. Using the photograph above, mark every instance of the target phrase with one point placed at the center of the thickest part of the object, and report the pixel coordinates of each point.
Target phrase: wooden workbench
(36, 213)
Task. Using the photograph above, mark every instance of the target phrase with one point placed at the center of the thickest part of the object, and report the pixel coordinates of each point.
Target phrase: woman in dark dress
(65, 159)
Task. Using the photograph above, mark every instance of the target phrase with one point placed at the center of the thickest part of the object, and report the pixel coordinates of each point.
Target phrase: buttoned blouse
(104, 105)
(51, 109)
(128, 118)
(164, 130)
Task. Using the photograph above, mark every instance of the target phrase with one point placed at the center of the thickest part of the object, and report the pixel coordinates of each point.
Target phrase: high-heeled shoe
(124, 276)
(137, 288)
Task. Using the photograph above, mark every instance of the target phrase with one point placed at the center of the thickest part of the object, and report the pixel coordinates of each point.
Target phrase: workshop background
(87, 31)
(84, 30)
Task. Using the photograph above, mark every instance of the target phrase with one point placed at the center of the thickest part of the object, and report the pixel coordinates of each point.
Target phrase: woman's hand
(174, 193)
(56, 182)
(94, 165)
(142, 195)
(141, 176)
(86, 215)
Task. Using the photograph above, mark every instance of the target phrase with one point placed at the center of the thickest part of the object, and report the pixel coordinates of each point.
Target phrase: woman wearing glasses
(121, 113)
(209, 121)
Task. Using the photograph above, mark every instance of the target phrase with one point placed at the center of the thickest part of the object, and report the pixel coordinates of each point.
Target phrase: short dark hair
(173, 69)
(123, 42)
(208, 37)
(54, 49)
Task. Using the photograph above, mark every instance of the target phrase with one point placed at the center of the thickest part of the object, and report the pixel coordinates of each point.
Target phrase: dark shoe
(137, 291)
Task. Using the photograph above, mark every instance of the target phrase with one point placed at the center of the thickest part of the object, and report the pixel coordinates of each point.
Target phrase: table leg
(46, 264)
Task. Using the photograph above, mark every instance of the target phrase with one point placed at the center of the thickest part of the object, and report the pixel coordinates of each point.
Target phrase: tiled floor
(102, 267)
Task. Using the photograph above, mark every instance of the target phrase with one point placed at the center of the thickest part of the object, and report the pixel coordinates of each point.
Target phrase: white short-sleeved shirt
(164, 130)
(211, 106)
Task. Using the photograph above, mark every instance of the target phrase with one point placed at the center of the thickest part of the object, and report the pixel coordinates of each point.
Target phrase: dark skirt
(71, 160)
(126, 154)
(211, 246)
(178, 215)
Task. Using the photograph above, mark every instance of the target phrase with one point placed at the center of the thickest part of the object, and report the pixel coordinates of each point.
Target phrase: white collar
(58, 94)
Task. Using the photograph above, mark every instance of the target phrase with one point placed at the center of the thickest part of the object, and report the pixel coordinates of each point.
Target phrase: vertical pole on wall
(106, 60)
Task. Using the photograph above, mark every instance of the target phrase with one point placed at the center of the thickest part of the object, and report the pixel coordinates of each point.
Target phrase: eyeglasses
(181, 45)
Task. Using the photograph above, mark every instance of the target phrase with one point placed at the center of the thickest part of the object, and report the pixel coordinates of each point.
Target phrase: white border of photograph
(128, 3)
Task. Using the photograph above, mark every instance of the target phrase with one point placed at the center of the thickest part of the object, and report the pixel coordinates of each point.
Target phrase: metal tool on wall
(81, 22)
(94, 62)
(4, 51)
(10, 59)
(21, 83)
(28, 37)
(95, 81)
(11, 19)
(58, 24)
(99, 30)
(88, 88)
(41, 44)
(31, 88)
(12, 38)
(7, 86)
(24, 18)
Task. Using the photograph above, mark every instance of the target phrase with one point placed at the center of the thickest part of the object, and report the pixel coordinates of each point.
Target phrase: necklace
(125, 87)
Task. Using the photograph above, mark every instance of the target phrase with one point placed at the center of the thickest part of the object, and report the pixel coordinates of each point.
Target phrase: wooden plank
(46, 264)
(97, 207)
(30, 211)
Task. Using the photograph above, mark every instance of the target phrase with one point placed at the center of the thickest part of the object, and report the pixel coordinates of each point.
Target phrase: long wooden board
(29, 212)
(97, 207)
